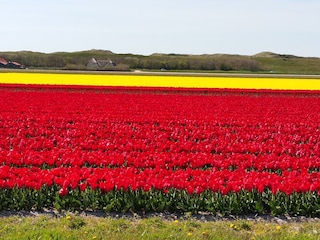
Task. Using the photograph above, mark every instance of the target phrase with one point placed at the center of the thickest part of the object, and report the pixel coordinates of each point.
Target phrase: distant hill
(266, 54)
(274, 55)
(264, 62)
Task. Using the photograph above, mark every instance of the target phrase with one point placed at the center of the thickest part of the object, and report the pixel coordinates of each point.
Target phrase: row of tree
(78, 61)
(266, 62)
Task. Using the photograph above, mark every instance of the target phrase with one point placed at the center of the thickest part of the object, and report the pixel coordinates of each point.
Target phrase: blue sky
(168, 26)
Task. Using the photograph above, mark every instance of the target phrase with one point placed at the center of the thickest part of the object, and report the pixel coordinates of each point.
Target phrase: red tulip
(63, 192)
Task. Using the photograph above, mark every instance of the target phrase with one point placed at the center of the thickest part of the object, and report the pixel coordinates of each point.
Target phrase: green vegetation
(72, 226)
(260, 63)
(243, 202)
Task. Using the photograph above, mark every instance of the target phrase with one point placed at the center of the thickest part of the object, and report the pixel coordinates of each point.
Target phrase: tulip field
(156, 149)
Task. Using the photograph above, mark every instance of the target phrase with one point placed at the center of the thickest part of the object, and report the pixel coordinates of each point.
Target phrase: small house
(94, 64)
(8, 64)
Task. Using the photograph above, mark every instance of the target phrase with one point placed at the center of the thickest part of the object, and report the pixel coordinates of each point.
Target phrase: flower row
(191, 180)
(142, 140)
(257, 131)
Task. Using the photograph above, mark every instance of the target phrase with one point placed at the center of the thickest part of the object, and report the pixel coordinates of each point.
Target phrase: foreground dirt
(203, 217)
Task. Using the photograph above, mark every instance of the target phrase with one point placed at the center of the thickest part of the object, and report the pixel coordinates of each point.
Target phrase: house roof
(103, 63)
(92, 60)
(3, 61)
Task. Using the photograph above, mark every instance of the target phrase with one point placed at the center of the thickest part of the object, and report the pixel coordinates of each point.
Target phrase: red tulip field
(160, 149)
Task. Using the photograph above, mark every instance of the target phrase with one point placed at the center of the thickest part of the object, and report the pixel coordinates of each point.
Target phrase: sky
(145, 27)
